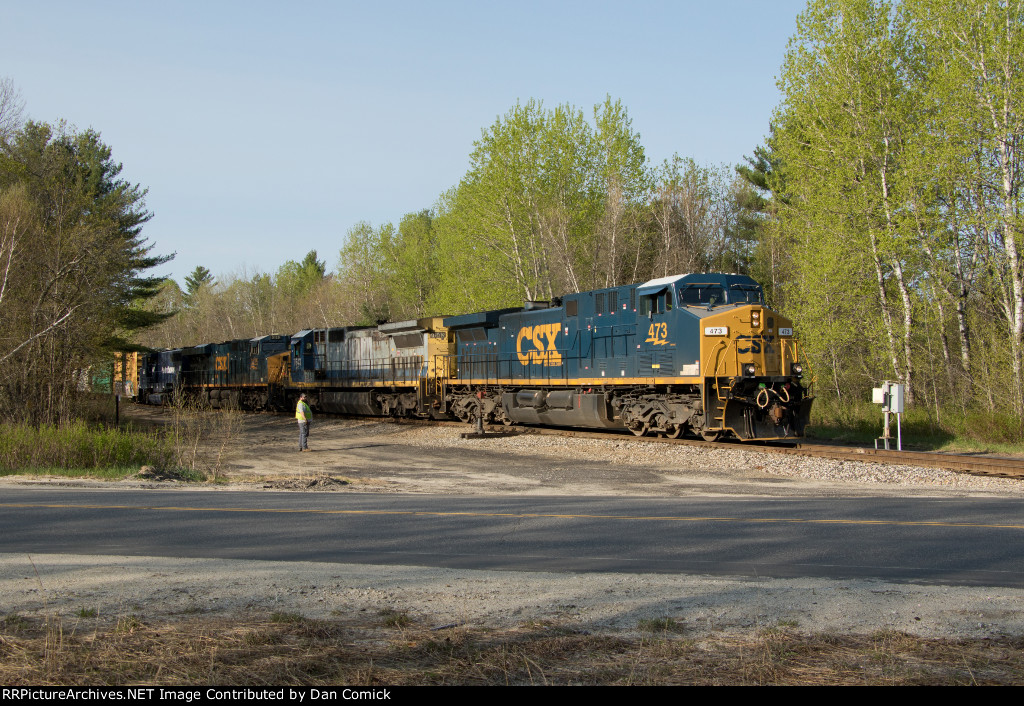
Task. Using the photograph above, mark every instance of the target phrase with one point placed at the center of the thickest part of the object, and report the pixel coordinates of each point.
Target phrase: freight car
(693, 354)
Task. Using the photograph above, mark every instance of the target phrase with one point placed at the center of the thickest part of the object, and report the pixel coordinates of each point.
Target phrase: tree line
(894, 170)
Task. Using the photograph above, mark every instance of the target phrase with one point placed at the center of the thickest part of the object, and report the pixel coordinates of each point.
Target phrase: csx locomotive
(692, 354)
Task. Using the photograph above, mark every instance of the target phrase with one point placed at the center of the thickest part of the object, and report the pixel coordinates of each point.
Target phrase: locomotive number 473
(657, 334)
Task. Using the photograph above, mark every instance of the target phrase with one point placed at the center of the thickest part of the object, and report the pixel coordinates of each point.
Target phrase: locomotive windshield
(701, 294)
(745, 294)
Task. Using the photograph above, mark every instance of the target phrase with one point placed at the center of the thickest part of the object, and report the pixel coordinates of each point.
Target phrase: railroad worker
(304, 416)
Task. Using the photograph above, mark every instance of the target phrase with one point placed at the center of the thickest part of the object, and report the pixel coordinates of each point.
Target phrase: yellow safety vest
(302, 412)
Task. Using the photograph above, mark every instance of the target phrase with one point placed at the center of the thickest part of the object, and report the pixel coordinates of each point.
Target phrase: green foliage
(547, 206)
(96, 451)
(286, 617)
(756, 195)
(893, 183)
(363, 267)
(660, 625)
(297, 279)
(395, 618)
(410, 254)
(945, 428)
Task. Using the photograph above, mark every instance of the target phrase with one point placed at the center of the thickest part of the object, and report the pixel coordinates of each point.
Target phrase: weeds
(127, 624)
(99, 451)
(14, 623)
(284, 617)
(187, 430)
(226, 426)
(395, 618)
(192, 423)
(80, 449)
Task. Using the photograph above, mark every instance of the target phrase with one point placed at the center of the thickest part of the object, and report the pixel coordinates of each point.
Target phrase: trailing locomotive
(689, 354)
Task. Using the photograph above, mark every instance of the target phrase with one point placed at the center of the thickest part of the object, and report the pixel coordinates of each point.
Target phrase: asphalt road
(974, 541)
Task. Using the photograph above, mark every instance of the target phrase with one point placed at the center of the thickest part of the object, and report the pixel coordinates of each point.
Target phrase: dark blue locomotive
(695, 353)
(698, 354)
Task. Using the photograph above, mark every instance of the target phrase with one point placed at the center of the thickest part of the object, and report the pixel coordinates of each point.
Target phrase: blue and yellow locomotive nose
(752, 373)
(748, 341)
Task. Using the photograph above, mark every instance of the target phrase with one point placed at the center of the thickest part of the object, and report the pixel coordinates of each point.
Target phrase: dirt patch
(318, 483)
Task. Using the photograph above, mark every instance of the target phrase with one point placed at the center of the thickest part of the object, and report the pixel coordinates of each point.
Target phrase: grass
(285, 617)
(977, 431)
(80, 449)
(361, 651)
(96, 450)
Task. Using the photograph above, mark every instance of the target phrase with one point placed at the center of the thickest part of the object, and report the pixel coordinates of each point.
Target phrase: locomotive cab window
(645, 306)
(656, 303)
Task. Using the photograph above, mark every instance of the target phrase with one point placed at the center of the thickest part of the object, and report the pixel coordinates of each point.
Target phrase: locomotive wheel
(710, 434)
(676, 432)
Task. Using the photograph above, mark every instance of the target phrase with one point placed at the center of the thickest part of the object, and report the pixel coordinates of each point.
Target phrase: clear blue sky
(265, 129)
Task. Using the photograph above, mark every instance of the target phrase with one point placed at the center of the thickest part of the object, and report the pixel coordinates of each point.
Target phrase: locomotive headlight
(796, 369)
(750, 370)
(755, 318)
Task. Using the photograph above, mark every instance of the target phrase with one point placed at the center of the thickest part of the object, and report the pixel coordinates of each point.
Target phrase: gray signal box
(890, 396)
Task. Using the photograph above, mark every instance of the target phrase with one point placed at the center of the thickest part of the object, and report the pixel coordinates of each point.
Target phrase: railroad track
(963, 463)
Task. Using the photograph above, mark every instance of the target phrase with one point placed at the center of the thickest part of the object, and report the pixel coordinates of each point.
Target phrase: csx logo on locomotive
(543, 338)
(220, 363)
(755, 344)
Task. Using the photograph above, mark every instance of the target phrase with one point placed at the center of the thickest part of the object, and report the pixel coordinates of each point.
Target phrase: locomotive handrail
(716, 368)
(490, 368)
